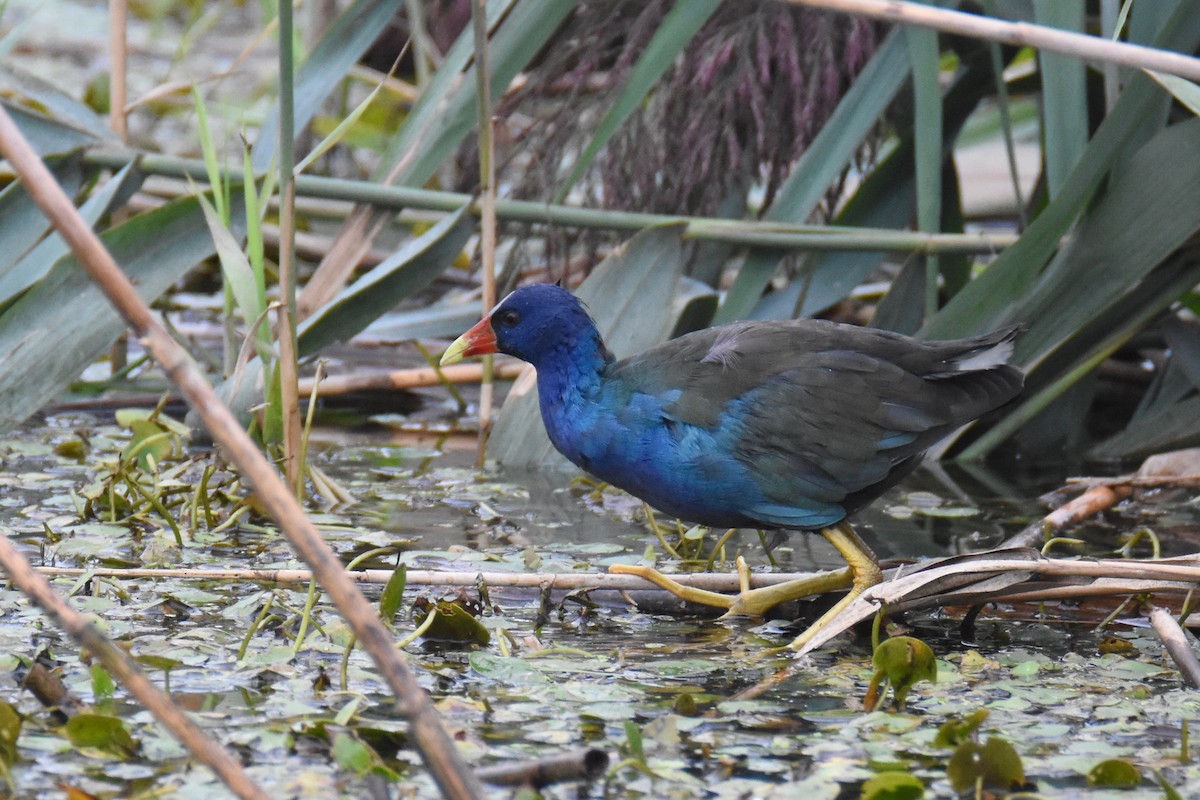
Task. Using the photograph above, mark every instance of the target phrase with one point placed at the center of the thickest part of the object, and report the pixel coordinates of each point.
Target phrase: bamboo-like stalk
(748, 233)
(285, 327)
(1021, 34)
(118, 119)
(435, 746)
(487, 206)
(334, 385)
(118, 54)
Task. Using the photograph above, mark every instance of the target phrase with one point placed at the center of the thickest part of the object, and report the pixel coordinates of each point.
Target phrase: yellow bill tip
(455, 352)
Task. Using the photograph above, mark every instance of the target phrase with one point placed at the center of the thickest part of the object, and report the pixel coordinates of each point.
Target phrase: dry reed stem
(487, 206)
(118, 54)
(1091, 502)
(1021, 34)
(1175, 640)
(335, 385)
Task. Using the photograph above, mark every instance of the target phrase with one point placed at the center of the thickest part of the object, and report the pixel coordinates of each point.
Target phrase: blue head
(540, 323)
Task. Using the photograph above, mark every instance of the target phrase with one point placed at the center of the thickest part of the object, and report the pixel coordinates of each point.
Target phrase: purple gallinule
(794, 424)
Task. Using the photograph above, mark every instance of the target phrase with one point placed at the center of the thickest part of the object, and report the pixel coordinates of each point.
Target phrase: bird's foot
(748, 602)
(691, 594)
(862, 573)
(757, 602)
(865, 575)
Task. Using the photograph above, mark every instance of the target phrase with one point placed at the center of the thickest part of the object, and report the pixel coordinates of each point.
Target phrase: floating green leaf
(101, 732)
(893, 785)
(10, 731)
(103, 687)
(900, 662)
(452, 622)
(994, 764)
(957, 730)
(393, 594)
(1116, 773)
(354, 755)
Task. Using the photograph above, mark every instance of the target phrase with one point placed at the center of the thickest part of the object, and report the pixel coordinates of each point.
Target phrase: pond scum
(638, 704)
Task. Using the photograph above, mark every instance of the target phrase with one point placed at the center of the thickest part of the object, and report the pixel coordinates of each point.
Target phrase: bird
(786, 424)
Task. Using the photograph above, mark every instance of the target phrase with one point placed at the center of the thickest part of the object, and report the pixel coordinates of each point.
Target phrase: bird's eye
(509, 318)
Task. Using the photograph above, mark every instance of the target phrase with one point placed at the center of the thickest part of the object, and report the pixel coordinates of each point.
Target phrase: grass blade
(1064, 96)
(927, 146)
(445, 112)
(38, 262)
(410, 269)
(988, 301)
(22, 223)
(155, 249)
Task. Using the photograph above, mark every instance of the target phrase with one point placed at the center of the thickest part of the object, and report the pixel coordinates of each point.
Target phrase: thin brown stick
(1110, 577)
(1185, 569)
(1140, 481)
(1021, 34)
(331, 386)
(335, 385)
(118, 120)
(121, 666)
(435, 746)
(1093, 501)
(577, 765)
(1100, 495)
(1178, 647)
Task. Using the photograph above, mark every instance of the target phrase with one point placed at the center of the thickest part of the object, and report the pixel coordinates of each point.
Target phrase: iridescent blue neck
(570, 378)
(574, 365)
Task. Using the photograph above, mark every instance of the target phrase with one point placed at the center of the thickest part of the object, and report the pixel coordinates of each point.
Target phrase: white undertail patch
(994, 356)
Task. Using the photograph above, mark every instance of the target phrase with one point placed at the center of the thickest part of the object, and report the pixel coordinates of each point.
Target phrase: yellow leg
(862, 573)
(863, 566)
(658, 532)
